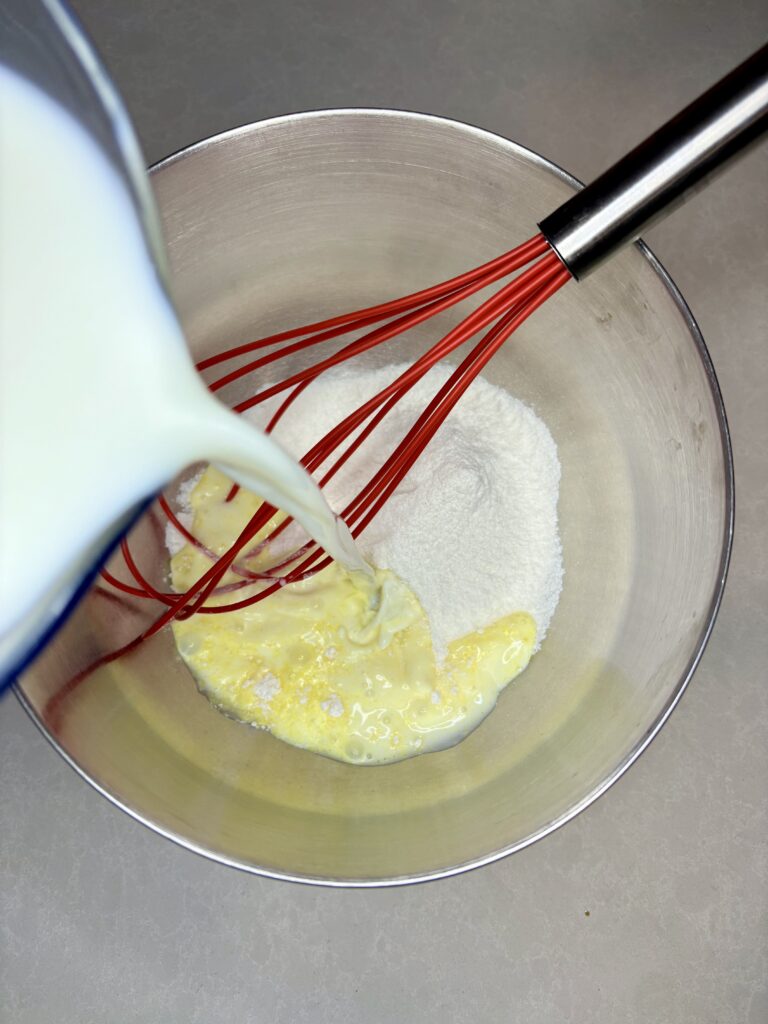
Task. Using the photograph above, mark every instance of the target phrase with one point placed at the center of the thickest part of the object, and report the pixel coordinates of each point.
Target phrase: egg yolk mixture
(343, 663)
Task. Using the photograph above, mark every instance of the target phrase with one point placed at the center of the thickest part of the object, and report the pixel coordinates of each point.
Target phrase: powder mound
(473, 527)
(175, 541)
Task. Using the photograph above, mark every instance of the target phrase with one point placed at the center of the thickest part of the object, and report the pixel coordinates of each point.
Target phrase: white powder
(473, 526)
(267, 688)
(174, 541)
(333, 706)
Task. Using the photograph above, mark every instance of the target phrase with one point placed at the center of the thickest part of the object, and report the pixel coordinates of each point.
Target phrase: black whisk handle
(663, 171)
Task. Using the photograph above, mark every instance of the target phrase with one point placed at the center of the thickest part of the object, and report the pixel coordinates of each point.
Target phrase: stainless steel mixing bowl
(291, 219)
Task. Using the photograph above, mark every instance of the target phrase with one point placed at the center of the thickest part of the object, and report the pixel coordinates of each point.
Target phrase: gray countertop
(651, 906)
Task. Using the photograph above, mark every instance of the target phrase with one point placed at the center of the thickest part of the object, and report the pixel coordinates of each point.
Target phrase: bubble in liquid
(355, 751)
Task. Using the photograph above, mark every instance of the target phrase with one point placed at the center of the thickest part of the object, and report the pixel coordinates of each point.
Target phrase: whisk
(571, 242)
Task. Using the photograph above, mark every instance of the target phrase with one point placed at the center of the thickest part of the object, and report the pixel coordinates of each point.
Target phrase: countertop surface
(650, 906)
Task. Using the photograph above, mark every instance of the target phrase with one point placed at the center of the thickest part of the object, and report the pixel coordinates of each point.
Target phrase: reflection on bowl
(287, 221)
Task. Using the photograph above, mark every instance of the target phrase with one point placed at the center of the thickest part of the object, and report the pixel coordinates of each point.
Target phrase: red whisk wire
(499, 316)
(389, 476)
(518, 291)
(512, 260)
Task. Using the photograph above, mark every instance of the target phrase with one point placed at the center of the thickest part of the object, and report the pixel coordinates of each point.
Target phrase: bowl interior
(294, 219)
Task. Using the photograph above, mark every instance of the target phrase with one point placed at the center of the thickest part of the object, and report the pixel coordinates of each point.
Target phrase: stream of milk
(100, 404)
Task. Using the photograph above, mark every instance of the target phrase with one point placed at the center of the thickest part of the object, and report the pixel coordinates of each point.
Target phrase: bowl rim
(715, 601)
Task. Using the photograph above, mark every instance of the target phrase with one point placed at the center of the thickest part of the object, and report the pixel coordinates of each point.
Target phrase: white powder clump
(333, 706)
(174, 541)
(473, 526)
(265, 689)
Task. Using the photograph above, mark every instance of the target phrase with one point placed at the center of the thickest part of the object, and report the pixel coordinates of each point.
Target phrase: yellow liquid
(340, 664)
